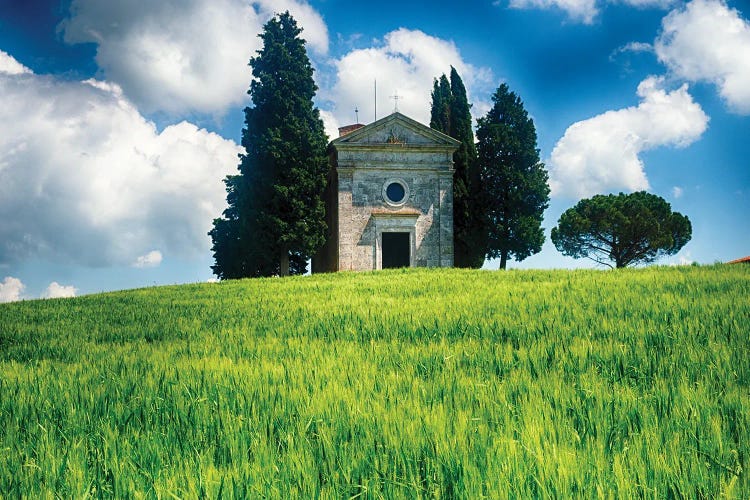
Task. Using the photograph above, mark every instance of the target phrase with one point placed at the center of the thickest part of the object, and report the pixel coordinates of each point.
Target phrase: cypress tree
(450, 114)
(513, 178)
(275, 218)
(468, 220)
(441, 105)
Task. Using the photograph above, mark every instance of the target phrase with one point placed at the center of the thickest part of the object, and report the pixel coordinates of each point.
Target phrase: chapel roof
(398, 130)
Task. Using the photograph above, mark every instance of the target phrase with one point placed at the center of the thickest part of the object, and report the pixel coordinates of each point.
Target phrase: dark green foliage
(450, 114)
(275, 217)
(441, 105)
(514, 179)
(624, 229)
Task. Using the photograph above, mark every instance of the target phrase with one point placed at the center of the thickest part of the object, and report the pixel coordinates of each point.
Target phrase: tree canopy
(275, 216)
(451, 114)
(513, 179)
(623, 229)
(440, 111)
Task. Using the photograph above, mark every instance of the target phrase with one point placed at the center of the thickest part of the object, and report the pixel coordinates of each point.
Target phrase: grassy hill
(410, 383)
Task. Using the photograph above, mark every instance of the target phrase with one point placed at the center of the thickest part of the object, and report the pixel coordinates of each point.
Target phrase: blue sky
(120, 118)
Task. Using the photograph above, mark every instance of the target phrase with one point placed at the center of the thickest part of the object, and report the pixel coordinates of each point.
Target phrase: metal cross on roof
(395, 98)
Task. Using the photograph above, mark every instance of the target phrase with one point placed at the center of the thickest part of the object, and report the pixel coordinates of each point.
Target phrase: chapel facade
(389, 200)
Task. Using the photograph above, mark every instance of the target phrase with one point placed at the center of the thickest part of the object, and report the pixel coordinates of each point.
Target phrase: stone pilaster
(446, 219)
(345, 235)
(393, 150)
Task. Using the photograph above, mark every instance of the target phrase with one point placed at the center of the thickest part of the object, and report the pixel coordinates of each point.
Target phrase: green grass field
(410, 383)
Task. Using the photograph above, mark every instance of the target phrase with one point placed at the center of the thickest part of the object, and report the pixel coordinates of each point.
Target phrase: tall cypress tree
(441, 105)
(275, 219)
(468, 217)
(450, 114)
(513, 177)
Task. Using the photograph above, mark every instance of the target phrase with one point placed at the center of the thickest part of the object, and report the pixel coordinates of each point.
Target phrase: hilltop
(398, 383)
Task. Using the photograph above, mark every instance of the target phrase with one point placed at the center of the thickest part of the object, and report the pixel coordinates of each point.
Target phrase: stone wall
(393, 149)
(364, 215)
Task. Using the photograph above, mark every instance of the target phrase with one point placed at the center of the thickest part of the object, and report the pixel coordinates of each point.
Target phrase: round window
(395, 192)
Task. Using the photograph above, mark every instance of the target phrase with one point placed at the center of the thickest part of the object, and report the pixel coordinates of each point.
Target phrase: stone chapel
(389, 200)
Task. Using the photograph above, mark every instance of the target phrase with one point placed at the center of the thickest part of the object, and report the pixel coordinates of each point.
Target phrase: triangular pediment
(396, 129)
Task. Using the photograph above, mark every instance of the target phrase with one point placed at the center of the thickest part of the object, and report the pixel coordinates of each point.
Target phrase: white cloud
(643, 4)
(11, 289)
(181, 56)
(85, 178)
(578, 10)
(706, 41)
(685, 260)
(677, 192)
(406, 62)
(601, 154)
(331, 124)
(315, 29)
(585, 11)
(682, 259)
(56, 291)
(635, 47)
(10, 66)
(151, 259)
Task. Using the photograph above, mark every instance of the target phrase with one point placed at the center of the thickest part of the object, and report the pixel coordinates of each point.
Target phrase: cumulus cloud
(677, 192)
(315, 29)
(602, 153)
(180, 56)
(85, 178)
(331, 123)
(11, 289)
(405, 62)
(151, 259)
(56, 291)
(706, 41)
(9, 65)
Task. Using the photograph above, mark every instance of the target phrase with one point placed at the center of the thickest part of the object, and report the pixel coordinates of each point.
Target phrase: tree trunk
(503, 259)
(284, 263)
